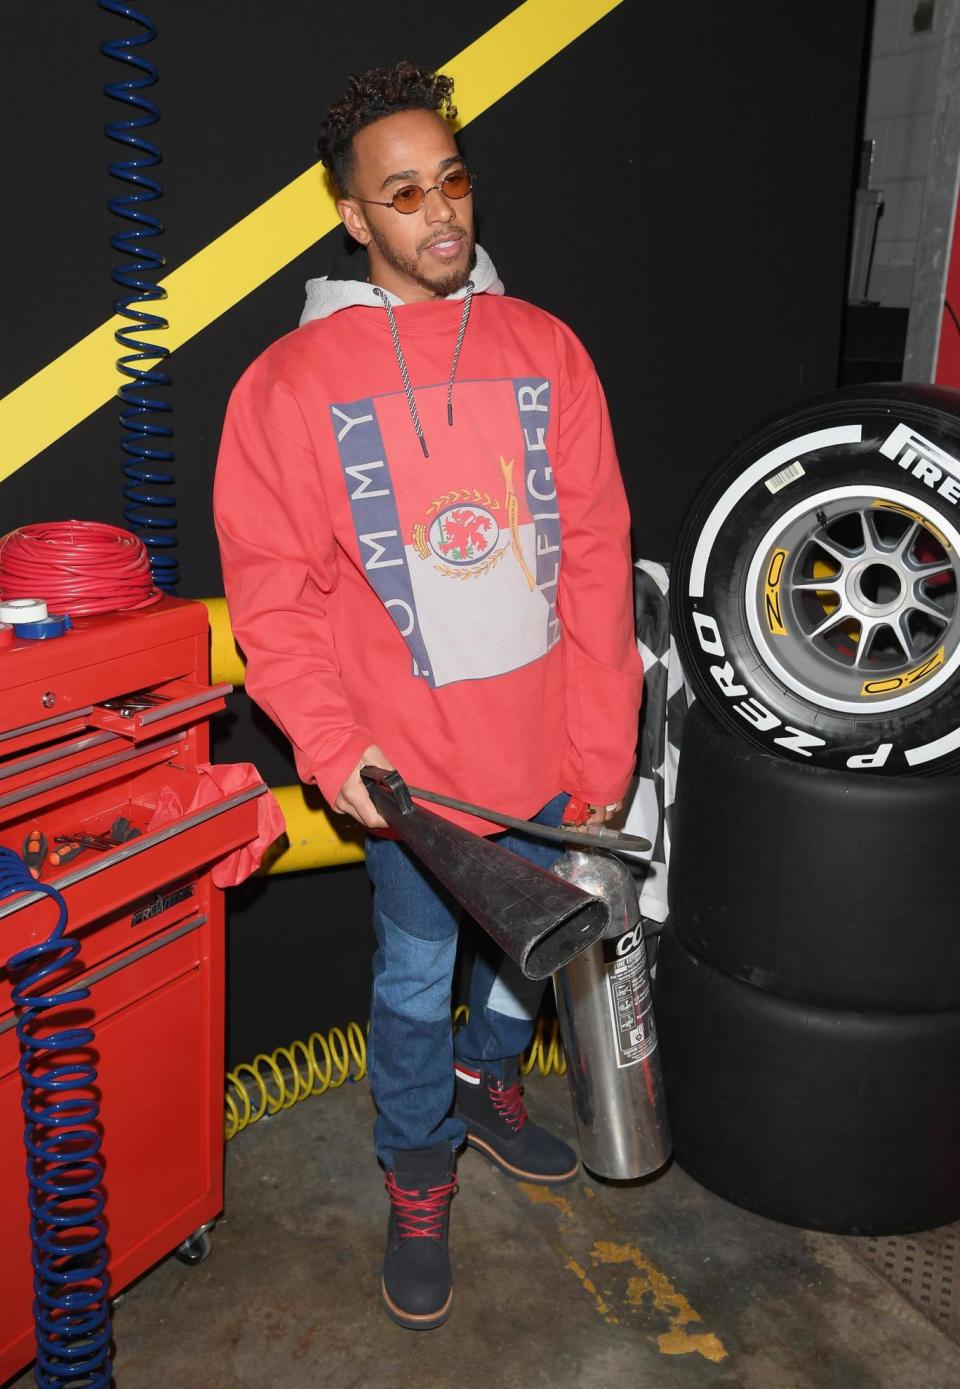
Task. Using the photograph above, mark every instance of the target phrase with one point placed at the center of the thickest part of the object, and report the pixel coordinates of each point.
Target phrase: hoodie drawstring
(402, 361)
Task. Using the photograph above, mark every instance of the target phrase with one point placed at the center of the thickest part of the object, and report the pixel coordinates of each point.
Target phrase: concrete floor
(657, 1285)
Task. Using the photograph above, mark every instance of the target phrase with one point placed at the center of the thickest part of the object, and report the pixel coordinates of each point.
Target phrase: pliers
(85, 841)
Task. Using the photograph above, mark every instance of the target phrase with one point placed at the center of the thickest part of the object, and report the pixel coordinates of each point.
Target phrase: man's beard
(442, 282)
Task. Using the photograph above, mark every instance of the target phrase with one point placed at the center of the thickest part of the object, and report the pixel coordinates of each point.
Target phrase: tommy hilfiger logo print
(466, 536)
(484, 509)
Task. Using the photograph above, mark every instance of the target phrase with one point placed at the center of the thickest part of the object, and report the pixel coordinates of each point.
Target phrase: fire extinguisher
(607, 1026)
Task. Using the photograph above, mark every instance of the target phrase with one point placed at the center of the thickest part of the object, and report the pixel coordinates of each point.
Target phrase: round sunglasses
(411, 197)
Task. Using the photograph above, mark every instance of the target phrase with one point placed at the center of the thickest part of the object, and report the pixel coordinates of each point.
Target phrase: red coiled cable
(77, 567)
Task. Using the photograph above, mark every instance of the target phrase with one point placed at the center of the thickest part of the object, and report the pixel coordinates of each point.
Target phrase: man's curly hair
(375, 93)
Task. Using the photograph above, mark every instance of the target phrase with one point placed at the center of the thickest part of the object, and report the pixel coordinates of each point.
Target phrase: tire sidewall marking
(771, 462)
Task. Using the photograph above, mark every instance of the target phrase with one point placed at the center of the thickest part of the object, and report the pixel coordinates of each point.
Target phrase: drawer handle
(177, 706)
(46, 723)
(40, 759)
(88, 768)
(135, 846)
(114, 967)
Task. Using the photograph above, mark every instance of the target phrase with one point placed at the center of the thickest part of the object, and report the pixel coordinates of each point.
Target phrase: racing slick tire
(826, 887)
(827, 1119)
(815, 583)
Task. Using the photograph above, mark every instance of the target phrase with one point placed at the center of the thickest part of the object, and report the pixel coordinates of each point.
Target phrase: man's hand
(354, 799)
(600, 814)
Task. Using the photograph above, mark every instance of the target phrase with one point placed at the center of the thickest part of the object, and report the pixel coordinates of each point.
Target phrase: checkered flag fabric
(666, 698)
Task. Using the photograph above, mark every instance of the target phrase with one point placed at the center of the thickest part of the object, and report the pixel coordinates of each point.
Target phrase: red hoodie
(469, 611)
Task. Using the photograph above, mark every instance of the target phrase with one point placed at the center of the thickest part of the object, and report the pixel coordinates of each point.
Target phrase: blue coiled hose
(71, 1306)
(147, 510)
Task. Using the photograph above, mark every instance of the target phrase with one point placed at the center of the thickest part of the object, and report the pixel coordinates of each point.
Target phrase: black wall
(676, 185)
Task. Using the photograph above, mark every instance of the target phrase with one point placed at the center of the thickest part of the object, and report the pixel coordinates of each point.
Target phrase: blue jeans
(410, 1050)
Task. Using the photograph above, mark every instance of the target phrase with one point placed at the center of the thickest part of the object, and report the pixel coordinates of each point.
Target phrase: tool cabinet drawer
(150, 917)
(74, 776)
(105, 889)
(20, 775)
(162, 709)
(43, 683)
(103, 740)
(114, 984)
(38, 732)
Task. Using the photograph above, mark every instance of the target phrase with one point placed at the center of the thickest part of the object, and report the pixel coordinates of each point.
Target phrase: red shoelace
(420, 1217)
(509, 1104)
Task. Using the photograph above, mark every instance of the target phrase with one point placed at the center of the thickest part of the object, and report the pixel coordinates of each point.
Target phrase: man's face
(419, 255)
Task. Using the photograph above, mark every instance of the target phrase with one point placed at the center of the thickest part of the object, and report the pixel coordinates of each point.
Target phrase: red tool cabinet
(148, 917)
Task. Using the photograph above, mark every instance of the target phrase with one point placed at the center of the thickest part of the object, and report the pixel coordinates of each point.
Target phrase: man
(425, 550)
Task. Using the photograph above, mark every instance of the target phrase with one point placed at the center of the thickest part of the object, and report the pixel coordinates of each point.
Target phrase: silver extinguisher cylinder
(609, 1033)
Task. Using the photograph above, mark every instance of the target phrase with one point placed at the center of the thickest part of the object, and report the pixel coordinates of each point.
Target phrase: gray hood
(326, 296)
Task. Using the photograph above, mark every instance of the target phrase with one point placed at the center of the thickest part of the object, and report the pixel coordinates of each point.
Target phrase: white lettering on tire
(762, 718)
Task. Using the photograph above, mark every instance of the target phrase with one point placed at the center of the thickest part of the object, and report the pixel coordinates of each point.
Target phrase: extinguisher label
(631, 1007)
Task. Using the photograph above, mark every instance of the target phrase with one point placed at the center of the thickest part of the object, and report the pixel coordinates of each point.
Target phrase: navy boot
(499, 1127)
(417, 1284)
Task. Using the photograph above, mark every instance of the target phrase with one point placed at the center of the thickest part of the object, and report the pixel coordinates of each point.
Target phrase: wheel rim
(852, 599)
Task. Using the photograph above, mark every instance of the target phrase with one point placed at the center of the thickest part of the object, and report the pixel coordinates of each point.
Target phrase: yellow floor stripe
(78, 382)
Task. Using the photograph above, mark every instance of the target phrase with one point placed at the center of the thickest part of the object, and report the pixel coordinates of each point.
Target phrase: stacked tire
(808, 988)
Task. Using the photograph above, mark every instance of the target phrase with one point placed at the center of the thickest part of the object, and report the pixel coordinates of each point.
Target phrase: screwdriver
(34, 852)
(65, 852)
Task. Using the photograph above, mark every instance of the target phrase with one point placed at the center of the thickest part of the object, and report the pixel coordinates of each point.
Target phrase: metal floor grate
(923, 1267)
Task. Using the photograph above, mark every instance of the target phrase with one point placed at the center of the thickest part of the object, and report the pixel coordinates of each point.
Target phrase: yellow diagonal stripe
(79, 381)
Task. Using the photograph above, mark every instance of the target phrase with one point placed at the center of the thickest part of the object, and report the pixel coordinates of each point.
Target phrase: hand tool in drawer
(129, 705)
(120, 831)
(34, 852)
(86, 841)
(65, 852)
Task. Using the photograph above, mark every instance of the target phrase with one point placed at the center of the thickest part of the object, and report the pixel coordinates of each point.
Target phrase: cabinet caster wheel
(195, 1249)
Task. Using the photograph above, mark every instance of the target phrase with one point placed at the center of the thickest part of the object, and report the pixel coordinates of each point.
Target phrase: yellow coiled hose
(290, 1074)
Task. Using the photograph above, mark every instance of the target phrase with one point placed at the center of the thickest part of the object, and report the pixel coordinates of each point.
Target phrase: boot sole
(518, 1173)
(416, 1321)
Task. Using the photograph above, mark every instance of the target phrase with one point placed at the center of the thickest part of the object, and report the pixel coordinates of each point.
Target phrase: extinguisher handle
(388, 791)
(577, 812)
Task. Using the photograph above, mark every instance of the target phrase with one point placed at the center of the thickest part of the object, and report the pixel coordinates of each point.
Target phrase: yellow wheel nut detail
(772, 593)
(909, 677)
(915, 516)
